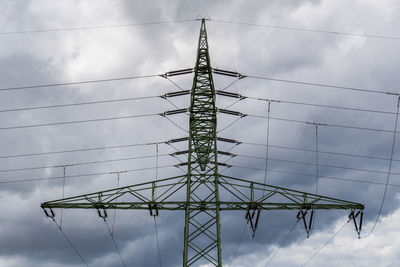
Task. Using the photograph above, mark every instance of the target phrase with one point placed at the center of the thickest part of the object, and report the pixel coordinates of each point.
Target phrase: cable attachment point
(301, 215)
(252, 217)
(49, 212)
(353, 216)
(101, 211)
(200, 17)
(153, 208)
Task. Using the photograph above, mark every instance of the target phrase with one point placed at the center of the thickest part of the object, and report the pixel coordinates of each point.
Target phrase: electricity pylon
(204, 192)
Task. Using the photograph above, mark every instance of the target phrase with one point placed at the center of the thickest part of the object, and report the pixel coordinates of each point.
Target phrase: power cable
(234, 103)
(389, 171)
(313, 175)
(306, 30)
(325, 124)
(80, 163)
(78, 104)
(326, 243)
(115, 210)
(70, 243)
(174, 83)
(114, 242)
(321, 151)
(154, 216)
(230, 84)
(229, 125)
(155, 114)
(74, 150)
(158, 241)
(320, 165)
(79, 175)
(76, 122)
(281, 243)
(238, 244)
(358, 89)
(174, 123)
(63, 193)
(78, 82)
(320, 105)
(96, 27)
(267, 147)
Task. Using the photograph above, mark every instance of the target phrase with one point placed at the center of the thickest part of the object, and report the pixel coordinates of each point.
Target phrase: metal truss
(203, 192)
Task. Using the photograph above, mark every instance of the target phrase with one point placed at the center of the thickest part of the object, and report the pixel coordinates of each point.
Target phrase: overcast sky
(30, 56)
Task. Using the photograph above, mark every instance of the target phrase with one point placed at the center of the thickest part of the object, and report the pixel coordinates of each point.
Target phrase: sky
(40, 44)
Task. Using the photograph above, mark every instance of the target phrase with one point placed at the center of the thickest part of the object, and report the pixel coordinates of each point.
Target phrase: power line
(307, 30)
(389, 171)
(325, 124)
(79, 104)
(96, 27)
(78, 82)
(318, 164)
(358, 89)
(79, 175)
(80, 163)
(321, 106)
(158, 241)
(326, 243)
(320, 151)
(70, 243)
(75, 150)
(150, 97)
(153, 143)
(313, 175)
(76, 122)
(114, 242)
(281, 244)
(238, 244)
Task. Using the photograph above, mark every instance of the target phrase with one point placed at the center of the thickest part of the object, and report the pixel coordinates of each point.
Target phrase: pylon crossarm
(259, 194)
(134, 196)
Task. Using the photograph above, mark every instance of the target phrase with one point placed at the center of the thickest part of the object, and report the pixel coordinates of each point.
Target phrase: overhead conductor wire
(63, 191)
(281, 244)
(154, 216)
(115, 210)
(78, 82)
(79, 175)
(115, 243)
(70, 243)
(306, 30)
(96, 27)
(233, 257)
(389, 171)
(324, 245)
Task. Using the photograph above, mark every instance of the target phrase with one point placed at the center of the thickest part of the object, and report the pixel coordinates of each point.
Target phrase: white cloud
(380, 248)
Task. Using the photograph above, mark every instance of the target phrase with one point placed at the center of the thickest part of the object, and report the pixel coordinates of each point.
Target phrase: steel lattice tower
(203, 192)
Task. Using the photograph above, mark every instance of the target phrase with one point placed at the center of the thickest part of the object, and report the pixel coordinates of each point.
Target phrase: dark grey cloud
(28, 237)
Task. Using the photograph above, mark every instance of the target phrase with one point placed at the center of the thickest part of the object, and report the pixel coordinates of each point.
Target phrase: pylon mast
(202, 236)
(203, 192)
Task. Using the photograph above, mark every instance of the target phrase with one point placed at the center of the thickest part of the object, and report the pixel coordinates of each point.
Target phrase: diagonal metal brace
(302, 215)
(353, 216)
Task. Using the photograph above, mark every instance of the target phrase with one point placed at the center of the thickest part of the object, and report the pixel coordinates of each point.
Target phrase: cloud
(343, 249)
(29, 238)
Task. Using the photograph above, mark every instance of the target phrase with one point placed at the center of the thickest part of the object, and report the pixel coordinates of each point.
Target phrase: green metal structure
(203, 192)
